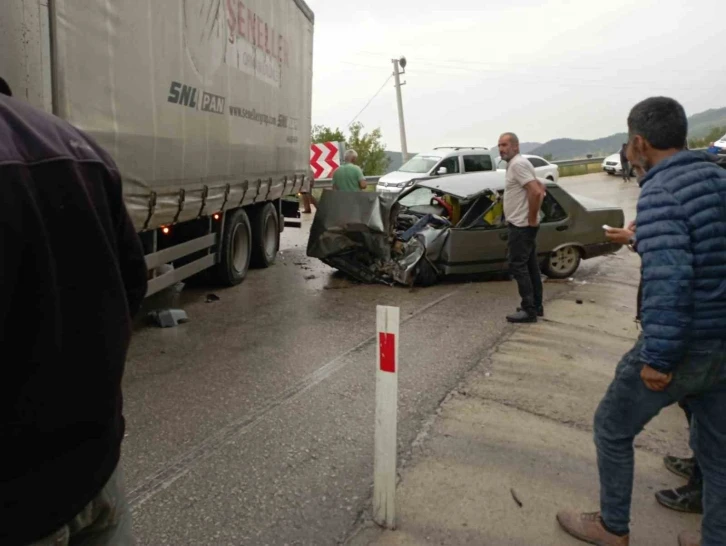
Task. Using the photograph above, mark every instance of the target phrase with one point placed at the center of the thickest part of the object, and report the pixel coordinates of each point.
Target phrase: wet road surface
(253, 422)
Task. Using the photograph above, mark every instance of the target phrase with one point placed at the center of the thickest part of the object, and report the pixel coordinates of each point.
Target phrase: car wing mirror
(442, 170)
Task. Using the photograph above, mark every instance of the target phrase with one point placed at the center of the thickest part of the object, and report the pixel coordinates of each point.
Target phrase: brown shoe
(689, 538)
(588, 527)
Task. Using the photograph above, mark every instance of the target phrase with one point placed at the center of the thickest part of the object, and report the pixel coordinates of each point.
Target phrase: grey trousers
(105, 521)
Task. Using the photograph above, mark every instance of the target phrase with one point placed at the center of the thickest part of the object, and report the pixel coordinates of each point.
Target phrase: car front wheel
(562, 263)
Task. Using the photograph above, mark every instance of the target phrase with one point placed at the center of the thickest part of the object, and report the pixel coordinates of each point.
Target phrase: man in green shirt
(349, 176)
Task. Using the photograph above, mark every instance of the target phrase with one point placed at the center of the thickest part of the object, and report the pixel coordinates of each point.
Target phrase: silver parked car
(450, 226)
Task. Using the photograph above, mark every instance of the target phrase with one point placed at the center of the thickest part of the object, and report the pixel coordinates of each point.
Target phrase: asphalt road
(253, 422)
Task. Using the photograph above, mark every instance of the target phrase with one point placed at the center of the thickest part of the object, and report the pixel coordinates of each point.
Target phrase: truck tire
(235, 251)
(265, 235)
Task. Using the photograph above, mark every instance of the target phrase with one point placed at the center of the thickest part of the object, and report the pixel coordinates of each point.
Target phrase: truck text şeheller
(204, 105)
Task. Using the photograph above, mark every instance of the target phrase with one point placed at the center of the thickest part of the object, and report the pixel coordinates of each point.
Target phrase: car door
(478, 163)
(539, 166)
(450, 163)
(555, 224)
(473, 246)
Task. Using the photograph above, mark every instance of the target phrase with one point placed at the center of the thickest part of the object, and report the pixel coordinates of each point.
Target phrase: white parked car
(437, 162)
(718, 147)
(542, 167)
(612, 165)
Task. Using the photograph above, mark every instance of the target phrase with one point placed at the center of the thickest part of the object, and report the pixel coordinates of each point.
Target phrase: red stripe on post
(387, 347)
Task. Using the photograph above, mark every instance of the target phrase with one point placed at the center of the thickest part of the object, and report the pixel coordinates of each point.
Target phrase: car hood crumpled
(355, 233)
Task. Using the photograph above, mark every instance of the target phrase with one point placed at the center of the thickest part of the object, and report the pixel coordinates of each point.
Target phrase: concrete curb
(512, 444)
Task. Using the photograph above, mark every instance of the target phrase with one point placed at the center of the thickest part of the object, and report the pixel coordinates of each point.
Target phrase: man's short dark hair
(5, 88)
(513, 138)
(661, 121)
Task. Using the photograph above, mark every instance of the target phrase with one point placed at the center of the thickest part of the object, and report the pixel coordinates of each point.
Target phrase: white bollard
(384, 480)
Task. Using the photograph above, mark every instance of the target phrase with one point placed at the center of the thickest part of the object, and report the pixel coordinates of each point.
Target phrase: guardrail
(327, 183)
(574, 162)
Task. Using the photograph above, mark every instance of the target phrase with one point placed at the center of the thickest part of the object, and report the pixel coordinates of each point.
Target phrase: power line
(371, 100)
(495, 65)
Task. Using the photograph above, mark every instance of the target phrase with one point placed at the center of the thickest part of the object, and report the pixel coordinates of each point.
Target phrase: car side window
(552, 210)
(451, 164)
(477, 163)
(536, 162)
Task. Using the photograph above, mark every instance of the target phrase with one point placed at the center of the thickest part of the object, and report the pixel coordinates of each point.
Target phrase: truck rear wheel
(265, 235)
(235, 251)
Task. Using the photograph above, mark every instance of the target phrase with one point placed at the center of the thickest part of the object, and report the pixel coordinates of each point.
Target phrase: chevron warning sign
(324, 159)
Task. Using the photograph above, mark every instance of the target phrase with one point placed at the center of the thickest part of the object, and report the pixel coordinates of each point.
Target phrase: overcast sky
(542, 68)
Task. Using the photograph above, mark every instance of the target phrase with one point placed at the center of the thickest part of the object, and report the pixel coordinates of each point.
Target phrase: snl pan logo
(186, 95)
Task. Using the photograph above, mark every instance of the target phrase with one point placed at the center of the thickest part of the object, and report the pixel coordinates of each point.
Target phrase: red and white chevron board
(324, 159)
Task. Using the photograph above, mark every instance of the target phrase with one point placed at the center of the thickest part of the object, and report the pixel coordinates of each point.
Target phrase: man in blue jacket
(681, 354)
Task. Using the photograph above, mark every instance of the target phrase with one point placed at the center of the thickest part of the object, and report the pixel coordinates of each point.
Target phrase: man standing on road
(71, 275)
(624, 163)
(523, 195)
(681, 238)
(349, 176)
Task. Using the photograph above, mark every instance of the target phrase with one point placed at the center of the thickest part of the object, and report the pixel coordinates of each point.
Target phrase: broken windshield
(417, 198)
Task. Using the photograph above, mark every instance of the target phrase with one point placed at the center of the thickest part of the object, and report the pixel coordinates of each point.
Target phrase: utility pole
(397, 75)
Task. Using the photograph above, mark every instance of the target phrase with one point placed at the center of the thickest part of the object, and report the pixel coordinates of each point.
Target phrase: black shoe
(521, 316)
(540, 311)
(684, 499)
(679, 466)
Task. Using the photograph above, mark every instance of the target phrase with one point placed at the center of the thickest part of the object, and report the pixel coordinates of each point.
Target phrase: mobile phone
(607, 227)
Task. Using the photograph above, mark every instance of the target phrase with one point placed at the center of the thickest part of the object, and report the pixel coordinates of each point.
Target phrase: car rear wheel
(563, 262)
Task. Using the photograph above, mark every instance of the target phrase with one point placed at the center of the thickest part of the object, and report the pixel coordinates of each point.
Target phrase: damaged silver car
(451, 226)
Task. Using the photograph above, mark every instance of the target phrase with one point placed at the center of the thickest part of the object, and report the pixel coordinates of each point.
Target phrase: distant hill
(569, 148)
(527, 147)
(699, 125)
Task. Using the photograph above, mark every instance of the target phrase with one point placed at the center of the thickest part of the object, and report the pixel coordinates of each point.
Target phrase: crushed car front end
(368, 237)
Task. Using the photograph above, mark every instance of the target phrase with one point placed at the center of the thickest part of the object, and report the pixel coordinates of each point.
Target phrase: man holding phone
(681, 353)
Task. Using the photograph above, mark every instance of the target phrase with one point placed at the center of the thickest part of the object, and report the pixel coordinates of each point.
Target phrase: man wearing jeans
(681, 355)
(523, 195)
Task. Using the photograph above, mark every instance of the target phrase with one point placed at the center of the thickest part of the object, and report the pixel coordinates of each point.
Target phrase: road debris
(211, 298)
(168, 318)
(516, 498)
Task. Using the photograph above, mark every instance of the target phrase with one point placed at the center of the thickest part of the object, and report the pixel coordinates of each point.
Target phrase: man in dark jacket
(681, 238)
(625, 163)
(72, 273)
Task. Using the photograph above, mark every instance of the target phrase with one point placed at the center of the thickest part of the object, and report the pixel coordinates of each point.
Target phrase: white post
(384, 480)
(399, 100)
